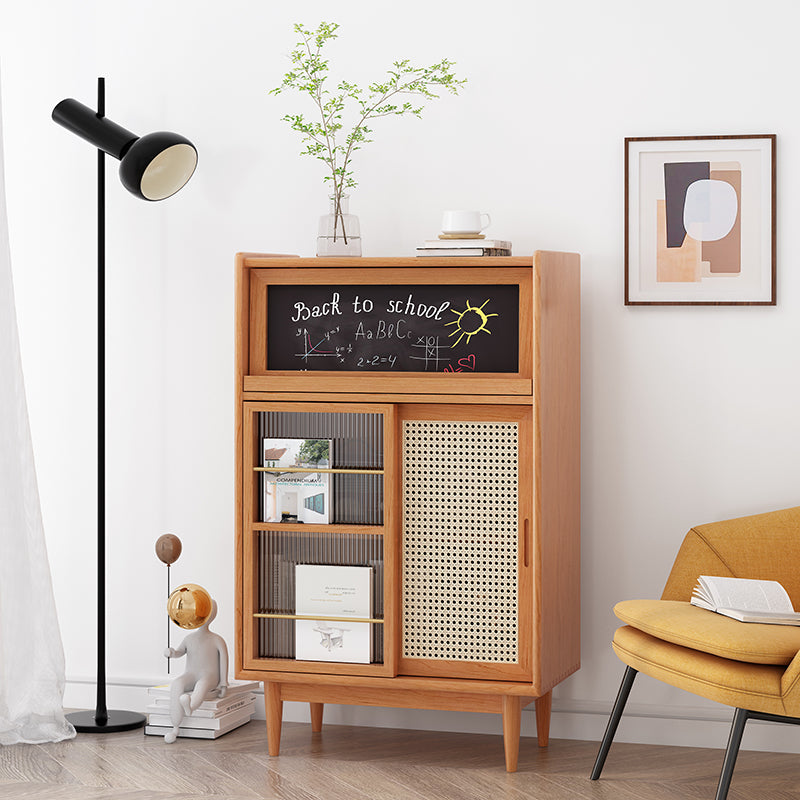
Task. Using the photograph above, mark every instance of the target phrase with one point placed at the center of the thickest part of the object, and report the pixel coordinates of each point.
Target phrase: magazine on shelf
(336, 595)
(296, 485)
(745, 599)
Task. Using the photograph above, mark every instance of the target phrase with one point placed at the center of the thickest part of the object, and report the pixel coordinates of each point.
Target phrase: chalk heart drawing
(709, 211)
(468, 362)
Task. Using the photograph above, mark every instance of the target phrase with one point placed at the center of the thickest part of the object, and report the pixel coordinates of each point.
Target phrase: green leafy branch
(381, 99)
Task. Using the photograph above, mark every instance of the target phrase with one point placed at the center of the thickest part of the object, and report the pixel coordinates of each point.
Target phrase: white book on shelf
(207, 723)
(296, 485)
(334, 595)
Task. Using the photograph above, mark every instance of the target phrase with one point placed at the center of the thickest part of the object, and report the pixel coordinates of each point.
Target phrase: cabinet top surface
(267, 261)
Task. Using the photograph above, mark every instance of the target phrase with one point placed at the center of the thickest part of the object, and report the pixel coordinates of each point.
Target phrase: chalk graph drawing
(310, 349)
(471, 320)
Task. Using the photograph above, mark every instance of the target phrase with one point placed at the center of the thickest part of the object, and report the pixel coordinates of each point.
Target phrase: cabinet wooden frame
(544, 397)
(261, 378)
(251, 526)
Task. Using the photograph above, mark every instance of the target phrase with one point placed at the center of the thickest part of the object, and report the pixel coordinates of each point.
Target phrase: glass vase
(339, 232)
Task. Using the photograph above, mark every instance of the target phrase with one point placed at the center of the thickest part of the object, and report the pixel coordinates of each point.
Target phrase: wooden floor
(350, 763)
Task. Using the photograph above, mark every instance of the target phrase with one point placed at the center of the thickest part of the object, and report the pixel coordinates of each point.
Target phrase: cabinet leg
(543, 706)
(316, 716)
(512, 708)
(274, 709)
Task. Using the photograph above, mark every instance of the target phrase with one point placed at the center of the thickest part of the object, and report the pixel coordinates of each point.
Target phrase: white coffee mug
(465, 222)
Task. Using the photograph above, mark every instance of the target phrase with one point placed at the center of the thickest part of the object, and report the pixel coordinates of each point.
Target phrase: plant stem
(337, 188)
(338, 215)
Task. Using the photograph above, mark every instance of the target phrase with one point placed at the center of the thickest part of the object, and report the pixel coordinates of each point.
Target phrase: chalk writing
(304, 312)
(393, 328)
(377, 360)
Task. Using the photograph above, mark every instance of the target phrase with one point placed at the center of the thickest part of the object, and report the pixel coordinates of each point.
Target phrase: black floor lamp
(152, 167)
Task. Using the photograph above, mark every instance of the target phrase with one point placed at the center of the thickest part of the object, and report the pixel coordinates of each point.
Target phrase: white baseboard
(642, 723)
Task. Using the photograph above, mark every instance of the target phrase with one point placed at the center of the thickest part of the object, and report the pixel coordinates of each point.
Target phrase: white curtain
(31, 653)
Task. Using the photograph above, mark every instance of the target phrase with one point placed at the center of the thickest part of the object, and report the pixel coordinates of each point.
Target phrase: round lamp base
(84, 721)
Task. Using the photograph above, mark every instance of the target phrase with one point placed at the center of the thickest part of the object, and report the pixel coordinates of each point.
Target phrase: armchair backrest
(765, 546)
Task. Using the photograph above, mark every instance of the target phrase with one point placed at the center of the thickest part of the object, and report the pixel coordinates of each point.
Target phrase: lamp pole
(101, 711)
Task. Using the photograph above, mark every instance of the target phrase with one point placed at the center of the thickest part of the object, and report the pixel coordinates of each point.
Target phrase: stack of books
(215, 716)
(470, 246)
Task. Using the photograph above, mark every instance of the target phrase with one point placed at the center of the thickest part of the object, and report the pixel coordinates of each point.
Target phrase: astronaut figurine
(206, 672)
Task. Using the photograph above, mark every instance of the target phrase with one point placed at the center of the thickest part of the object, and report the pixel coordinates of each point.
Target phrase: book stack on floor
(215, 716)
(476, 245)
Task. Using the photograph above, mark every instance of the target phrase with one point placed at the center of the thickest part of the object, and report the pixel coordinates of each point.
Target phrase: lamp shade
(158, 165)
(152, 167)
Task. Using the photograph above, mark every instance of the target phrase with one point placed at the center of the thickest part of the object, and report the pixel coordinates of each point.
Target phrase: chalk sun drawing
(470, 321)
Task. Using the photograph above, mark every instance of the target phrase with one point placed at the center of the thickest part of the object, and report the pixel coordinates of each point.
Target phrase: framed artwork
(700, 220)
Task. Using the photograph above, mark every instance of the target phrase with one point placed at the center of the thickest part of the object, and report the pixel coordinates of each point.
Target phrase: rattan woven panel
(460, 540)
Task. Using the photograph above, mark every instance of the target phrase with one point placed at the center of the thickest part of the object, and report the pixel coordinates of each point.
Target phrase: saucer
(461, 235)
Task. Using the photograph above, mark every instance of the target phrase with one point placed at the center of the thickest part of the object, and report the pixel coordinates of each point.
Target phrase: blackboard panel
(407, 328)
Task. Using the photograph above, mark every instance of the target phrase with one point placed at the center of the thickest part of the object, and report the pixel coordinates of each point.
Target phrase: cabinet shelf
(332, 470)
(310, 527)
(264, 615)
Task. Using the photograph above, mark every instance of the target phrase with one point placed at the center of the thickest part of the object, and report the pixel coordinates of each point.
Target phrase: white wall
(689, 414)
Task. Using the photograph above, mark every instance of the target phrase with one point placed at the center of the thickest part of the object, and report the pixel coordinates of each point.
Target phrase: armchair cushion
(754, 686)
(683, 624)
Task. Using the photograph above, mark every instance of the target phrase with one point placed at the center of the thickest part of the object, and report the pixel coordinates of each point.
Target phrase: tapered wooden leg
(543, 706)
(316, 716)
(512, 708)
(274, 709)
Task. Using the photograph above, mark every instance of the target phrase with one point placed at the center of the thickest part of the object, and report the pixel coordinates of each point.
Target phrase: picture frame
(700, 220)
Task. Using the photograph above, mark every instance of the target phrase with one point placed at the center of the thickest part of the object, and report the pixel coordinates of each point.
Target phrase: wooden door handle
(526, 543)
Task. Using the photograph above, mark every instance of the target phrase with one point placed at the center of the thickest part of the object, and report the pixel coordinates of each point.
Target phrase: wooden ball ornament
(189, 606)
(168, 548)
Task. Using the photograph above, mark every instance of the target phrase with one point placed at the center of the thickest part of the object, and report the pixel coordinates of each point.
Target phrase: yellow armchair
(754, 668)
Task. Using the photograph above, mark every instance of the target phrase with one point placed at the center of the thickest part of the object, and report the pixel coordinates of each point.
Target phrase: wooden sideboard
(449, 389)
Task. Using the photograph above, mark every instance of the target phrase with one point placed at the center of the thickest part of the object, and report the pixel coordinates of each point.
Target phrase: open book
(745, 599)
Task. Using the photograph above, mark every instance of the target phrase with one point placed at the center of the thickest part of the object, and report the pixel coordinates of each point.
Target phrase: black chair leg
(740, 718)
(613, 721)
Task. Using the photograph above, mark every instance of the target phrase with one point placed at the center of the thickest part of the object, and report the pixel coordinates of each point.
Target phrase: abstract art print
(700, 220)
